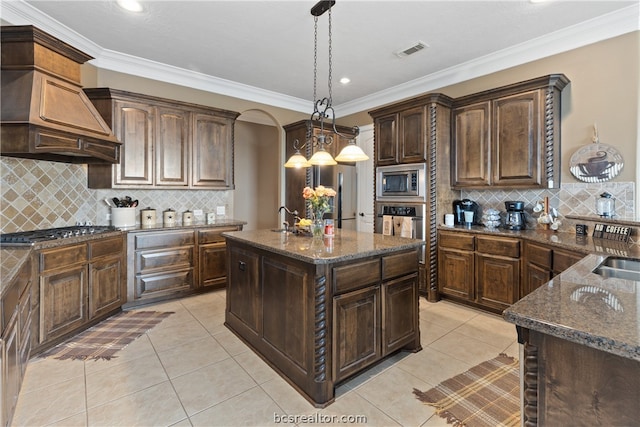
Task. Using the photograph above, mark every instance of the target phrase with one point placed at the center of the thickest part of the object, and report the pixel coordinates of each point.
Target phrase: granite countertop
(584, 307)
(345, 245)
(223, 222)
(563, 240)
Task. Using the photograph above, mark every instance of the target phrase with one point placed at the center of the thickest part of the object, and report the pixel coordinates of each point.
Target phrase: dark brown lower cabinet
(542, 263)
(175, 262)
(318, 324)
(497, 271)
(492, 272)
(566, 383)
(15, 339)
(78, 285)
(212, 258)
(357, 324)
(483, 271)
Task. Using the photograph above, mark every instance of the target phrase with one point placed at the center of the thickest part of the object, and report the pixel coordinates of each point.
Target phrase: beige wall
(604, 89)
(257, 163)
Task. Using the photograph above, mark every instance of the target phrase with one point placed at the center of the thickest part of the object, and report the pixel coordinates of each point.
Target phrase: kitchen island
(321, 310)
(580, 348)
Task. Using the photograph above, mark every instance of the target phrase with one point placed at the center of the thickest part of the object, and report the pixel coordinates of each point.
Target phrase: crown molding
(601, 28)
(607, 26)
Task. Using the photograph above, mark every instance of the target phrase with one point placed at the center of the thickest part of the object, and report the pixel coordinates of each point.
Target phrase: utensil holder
(123, 217)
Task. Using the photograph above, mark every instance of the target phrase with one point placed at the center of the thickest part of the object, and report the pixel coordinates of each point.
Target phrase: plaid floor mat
(486, 395)
(108, 337)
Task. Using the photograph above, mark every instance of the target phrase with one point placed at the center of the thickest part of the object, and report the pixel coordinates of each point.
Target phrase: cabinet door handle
(242, 266)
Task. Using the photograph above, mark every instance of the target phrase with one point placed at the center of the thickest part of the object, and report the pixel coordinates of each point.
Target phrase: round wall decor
(596, 163)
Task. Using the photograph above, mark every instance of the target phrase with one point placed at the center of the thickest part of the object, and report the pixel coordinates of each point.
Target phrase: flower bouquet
(319, 201)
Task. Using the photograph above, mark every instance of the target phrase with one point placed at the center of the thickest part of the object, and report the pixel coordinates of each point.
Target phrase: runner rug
(486, 395)
(108, 337)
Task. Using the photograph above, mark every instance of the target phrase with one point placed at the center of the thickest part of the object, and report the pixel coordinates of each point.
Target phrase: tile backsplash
(40, 194)
(572, 199)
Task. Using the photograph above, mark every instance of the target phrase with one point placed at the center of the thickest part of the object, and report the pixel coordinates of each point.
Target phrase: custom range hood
(45, 114)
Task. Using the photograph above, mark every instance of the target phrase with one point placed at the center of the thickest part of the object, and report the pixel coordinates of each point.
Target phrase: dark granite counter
(345, 245)
(196, 224)
(585, 308)
(564, 240)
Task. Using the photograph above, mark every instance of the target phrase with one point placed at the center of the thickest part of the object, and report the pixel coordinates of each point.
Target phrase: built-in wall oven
(397, 212)
(404, 182)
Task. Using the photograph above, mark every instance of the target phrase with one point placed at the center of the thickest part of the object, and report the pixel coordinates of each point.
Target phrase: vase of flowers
(319, 201)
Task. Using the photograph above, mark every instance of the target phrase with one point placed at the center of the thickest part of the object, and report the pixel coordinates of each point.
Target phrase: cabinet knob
(242, 266)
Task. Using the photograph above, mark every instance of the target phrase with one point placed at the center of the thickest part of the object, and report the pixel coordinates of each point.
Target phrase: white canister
(148, 217)
(187, 218)
(123, 217)
(169, 217)
(448, 220)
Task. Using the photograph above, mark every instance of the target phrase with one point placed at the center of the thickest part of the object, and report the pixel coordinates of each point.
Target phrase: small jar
(605, 205)
(187, 218)
(329, 231)
(169, 218)
(148, 217)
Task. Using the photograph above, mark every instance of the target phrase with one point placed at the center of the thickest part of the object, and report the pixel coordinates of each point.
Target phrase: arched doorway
(257, 165)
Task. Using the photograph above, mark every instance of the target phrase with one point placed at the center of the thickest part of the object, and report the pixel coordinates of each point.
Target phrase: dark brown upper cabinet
(508, 137)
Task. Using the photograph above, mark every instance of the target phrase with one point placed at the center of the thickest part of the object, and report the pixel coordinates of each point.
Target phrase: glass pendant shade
(297, 161)
(351, 153)
(322, 158)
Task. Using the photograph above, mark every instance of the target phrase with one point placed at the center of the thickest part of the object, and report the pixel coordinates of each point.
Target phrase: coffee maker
(462, 206)
(515, 215)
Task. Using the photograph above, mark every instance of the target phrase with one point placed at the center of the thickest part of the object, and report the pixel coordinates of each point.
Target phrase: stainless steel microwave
(401, 182)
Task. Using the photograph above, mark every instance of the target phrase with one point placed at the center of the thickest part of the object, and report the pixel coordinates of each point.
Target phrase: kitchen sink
(619, 268)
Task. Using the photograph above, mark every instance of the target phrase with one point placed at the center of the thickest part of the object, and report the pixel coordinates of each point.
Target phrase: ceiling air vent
(416, 47)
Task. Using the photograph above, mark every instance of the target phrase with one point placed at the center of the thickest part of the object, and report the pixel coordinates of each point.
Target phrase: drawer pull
(242, 265)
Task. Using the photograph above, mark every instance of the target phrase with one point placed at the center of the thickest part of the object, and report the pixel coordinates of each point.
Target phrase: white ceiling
(263, 50)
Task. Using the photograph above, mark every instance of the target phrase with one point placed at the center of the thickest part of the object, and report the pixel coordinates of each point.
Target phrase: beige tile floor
(191, 371)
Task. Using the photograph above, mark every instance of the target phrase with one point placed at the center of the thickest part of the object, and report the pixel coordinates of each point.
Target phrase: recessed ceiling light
(345, 80)
(130, 5)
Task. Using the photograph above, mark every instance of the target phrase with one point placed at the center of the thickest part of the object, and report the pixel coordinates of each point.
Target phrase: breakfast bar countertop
(585, 308)
(345, 245)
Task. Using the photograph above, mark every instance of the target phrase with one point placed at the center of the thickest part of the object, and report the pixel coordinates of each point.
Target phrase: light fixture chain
(330, 60)
(315, 58)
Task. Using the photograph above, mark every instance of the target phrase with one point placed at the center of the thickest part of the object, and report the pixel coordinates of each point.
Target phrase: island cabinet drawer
(353, 276)
(498, 246)
(464, 242)
(164, 239)
(399, 264)
(538, 255)
(149, 261)
(106, 247)
(213, 236)
(51, 259)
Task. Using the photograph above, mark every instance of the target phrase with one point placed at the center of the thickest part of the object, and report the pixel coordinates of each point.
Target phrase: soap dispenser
(605, 205)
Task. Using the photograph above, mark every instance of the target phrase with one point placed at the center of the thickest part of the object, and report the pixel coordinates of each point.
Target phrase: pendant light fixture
(323, 110)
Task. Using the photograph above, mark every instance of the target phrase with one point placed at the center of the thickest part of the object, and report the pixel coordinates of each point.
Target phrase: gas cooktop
(25, 238)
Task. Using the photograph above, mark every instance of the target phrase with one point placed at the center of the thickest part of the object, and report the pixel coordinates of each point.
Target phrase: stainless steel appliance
(343, 179)
(515, 215)
(27, 238)
(417, 212)
(466, 205)
(401, 183)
